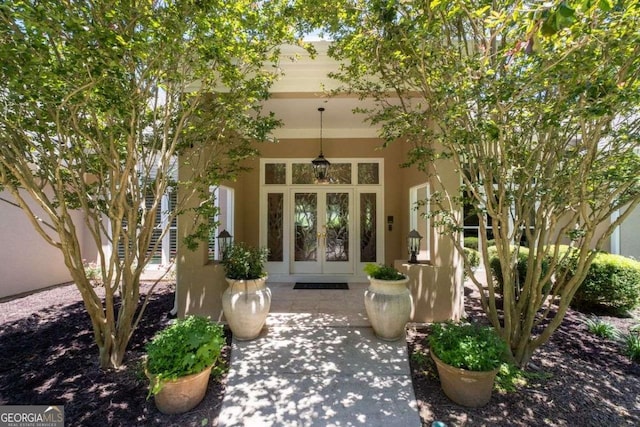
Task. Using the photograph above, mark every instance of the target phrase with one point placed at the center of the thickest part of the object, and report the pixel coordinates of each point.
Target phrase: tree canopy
(535, 104)
(98, 101)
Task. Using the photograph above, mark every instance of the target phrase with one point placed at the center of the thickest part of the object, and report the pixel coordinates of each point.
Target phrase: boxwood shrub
(612, 281)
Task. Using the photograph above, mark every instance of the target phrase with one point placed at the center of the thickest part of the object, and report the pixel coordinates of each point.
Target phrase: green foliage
(612, 281)
(472, 256)
(534, 103)
(601, 328)
(243, 262)
(383, 272)
(186, 347)
(467, 346)
(473, 243)
(631, 343)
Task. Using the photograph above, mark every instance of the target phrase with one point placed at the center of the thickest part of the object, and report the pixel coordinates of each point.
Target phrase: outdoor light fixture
(414, 246)
(320, 164)
(224, 241)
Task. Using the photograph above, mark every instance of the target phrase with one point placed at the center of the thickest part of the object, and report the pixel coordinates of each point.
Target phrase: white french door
(322, 234)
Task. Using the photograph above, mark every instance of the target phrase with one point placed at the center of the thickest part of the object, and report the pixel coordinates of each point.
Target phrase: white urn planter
(246, 304)
(388, 305)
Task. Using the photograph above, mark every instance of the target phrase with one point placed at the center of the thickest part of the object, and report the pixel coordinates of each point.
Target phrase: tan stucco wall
(201, 283)
(28, 262)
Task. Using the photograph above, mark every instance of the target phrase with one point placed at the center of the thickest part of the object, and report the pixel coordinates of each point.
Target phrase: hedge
(613, 281)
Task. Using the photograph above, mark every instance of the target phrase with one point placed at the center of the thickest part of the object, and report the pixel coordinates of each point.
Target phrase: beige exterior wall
(28, 262)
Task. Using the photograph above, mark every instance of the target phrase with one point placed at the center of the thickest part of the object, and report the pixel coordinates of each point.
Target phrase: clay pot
(467, 388)
(183, 394)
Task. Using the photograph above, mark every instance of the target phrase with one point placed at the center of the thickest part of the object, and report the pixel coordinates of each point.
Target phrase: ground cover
(47, 356)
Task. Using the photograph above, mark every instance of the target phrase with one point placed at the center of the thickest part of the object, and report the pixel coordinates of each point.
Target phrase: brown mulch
(47, 356)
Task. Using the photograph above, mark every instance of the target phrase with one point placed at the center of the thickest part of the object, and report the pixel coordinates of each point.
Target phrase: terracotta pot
(467, 388)
(388, 305)
(183, 394)
(246, 305)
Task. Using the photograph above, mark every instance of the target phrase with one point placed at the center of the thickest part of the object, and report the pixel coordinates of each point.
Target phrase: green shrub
(474, 243)
(467, 346)
(612, 281)
(186, 347)
(383, 272)
(471, 242)
(243, 262)
(523, 258)
(472, 256)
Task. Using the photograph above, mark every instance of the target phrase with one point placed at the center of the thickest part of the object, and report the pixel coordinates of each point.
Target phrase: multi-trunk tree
(99, 99)
(537, 107)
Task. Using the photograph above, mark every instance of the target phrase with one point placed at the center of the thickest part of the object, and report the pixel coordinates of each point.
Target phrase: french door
(322, 234)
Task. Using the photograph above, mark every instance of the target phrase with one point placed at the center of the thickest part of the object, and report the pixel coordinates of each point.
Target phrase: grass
(631, 343)
(601, 328)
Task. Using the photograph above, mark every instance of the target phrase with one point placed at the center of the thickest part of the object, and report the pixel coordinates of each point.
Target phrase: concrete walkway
(318, 363)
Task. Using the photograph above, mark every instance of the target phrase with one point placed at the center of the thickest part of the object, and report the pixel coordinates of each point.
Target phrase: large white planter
(388, 305)
(246, 305)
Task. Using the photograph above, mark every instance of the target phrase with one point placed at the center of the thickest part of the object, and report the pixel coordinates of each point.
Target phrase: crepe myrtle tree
(98, 101)
(535, 104)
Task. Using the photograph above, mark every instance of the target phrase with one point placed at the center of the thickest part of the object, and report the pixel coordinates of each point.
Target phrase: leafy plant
(243, 262)
(383, 272)
(186, 347)
(510, 378)
(467, 346)
(601, 328)
(473, 256)
(612, 281)
(631, 343)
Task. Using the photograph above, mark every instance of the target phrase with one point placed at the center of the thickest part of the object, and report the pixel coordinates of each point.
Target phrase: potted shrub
(247, 300)
(387, 301)
(468, 357)
(179, 361)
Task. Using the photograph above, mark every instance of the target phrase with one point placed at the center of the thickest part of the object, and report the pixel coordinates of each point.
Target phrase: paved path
(318, 363)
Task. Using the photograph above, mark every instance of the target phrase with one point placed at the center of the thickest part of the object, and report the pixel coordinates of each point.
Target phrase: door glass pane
(306, 227)
(337, 227)
(368, 227)
(275, 224)
(368, 173)
(275, 173)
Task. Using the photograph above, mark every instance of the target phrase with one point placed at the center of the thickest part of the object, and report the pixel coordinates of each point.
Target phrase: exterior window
(223, 199)
(368, 173)
(275, 173)
(418, 217)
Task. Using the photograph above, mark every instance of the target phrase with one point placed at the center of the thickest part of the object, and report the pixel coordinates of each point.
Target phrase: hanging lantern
(320, 164)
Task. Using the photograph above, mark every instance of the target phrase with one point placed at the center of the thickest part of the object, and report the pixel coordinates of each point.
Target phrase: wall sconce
(320, 164)
(224, 241)
(413, 240)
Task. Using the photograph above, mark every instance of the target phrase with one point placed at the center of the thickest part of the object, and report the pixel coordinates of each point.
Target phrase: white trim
(615, 236)
(282, 271)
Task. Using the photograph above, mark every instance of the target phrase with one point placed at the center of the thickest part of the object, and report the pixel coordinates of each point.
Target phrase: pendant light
(320, 164)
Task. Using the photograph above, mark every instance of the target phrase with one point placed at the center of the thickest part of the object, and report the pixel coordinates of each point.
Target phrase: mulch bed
(47, 356)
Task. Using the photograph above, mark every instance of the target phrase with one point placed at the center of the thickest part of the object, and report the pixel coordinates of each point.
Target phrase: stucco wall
(27, 261)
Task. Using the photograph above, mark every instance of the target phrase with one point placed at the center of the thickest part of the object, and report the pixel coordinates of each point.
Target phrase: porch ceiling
(302, 120)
